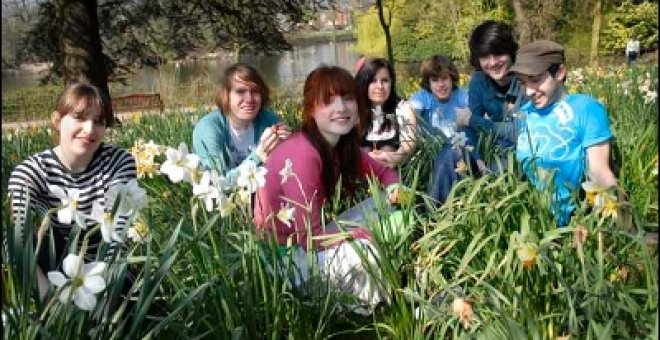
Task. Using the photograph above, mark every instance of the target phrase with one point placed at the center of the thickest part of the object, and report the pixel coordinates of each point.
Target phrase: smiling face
(495, 66)
(244, 101)
(543, 89)
(441, 87)
(80, 132)
(336, 117)
(380, 87)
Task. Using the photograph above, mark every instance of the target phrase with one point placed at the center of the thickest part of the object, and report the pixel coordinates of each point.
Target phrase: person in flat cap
(565, 134)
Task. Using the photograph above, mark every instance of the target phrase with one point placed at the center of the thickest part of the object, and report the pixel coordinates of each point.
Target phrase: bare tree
(385, 24)
(595, 33)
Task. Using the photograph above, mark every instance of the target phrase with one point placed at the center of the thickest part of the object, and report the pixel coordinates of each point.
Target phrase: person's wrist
(259, 152)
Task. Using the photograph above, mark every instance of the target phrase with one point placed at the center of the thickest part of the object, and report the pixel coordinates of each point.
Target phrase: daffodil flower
(139, 232)
(132, 197)
(179, 164)
(80, 281)
(210, 188)
(580, 234)
(462, 309)
(606, 205)
(592, 189)
(107, 221)
(285, 215)
(287, 170)
(251, 176)
(527, 254)
(69, 212)
(461, 167)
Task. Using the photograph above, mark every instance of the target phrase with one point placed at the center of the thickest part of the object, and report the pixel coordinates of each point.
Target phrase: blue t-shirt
(426, 103)
(555, 140)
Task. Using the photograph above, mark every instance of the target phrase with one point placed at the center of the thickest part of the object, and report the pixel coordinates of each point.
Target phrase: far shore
(295, 39)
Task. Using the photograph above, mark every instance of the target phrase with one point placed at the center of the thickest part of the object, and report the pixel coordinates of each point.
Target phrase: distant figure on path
(632, 51)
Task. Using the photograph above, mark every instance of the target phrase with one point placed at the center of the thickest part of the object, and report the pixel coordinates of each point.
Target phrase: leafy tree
(424, 27)
(631, 19)
(144, 32)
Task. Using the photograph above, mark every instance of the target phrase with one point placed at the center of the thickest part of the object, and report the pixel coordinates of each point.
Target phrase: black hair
(492, 37)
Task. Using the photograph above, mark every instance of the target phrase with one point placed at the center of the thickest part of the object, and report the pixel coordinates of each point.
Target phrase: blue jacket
(484, 98)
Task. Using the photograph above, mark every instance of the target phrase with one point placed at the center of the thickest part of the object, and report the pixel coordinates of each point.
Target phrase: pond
(279, 70)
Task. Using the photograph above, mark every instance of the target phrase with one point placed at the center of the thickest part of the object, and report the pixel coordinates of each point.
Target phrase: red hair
(344, 159)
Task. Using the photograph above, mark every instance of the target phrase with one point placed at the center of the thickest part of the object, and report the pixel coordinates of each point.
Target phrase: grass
(204, 275)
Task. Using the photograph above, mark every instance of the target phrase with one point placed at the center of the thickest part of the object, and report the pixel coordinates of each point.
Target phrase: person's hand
(385, 158)
(267, 142)
(463, 116)
(283, 131)
(483, 169)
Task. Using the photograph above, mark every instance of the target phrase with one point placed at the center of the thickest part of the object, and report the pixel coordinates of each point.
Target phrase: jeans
(445, 175)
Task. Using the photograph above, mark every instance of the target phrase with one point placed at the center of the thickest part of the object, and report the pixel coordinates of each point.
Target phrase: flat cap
(536, 57)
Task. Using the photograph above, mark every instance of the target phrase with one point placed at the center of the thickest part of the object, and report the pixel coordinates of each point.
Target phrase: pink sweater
(305, 193)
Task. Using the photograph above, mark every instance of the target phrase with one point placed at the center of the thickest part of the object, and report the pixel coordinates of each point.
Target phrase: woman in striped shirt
(80, 165)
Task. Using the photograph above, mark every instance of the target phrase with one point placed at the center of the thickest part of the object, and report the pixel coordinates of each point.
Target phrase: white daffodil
(459, 139)
(251, 176)
(225, 205)
(108, 223)
(210, 188)
(82, 281)
(179, 164)
(69, 199)
(650, 97)
(287, 170)
(131, 197)
(285, 215)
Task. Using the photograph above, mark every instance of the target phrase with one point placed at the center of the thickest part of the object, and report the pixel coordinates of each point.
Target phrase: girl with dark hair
(390, 124)
(303, 172)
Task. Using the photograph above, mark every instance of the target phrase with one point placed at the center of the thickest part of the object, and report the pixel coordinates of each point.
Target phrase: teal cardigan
(211, 140)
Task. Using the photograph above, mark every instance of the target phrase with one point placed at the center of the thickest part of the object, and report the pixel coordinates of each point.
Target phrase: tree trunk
(522, 23)
(595, 33)
(81, 43)
(386, 30)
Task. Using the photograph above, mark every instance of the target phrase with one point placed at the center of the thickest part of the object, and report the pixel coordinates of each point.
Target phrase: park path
(121, 116)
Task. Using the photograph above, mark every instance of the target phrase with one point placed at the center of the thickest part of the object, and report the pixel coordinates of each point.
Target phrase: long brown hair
(344, 159)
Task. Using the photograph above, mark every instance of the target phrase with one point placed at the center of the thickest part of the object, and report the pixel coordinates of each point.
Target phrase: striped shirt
(109, 166)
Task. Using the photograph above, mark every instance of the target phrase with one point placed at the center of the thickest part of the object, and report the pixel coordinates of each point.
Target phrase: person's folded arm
(598, 157)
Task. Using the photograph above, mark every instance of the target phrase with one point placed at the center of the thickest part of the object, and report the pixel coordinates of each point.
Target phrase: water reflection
(279, 70)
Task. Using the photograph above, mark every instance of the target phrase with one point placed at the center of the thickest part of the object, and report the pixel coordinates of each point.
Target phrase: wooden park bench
(137, 102)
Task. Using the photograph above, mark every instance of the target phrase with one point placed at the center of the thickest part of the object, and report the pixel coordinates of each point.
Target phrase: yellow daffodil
(527, 254)
(606, 205)
(592, 190)
(461, 167)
